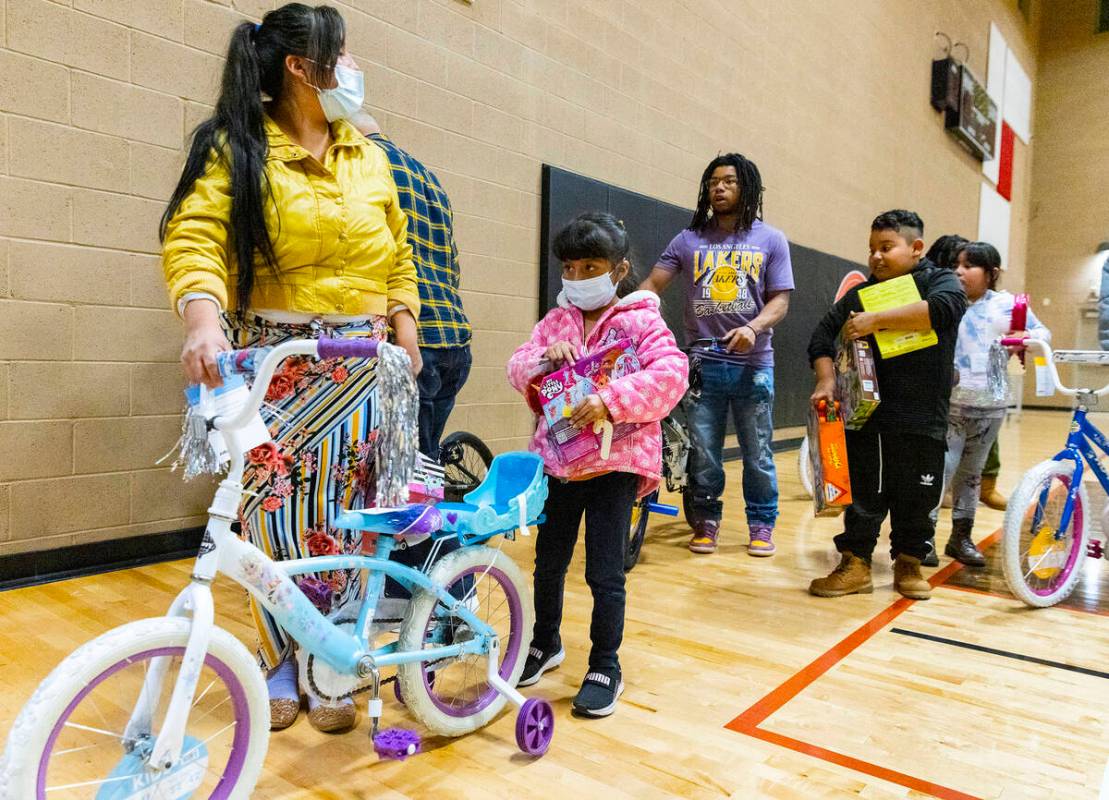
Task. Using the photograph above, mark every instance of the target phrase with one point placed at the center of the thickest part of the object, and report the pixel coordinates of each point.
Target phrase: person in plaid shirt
(444, 330)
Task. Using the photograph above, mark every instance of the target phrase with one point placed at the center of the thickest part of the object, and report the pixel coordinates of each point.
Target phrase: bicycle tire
(440, 717)
(804, 467)
(637, 530)
(465, 459)
(30, 748)
(1028, 492)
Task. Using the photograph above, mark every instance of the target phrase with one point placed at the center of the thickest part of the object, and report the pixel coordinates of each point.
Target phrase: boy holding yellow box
(896, 460)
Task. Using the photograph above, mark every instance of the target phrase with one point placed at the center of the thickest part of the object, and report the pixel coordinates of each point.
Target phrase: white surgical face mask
(591, 293)
(345, 100)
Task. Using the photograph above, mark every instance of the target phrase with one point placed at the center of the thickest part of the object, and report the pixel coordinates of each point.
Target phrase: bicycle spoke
(99, 782)
(201, 696)
(94, 730)
(77, 749)
(211, 710)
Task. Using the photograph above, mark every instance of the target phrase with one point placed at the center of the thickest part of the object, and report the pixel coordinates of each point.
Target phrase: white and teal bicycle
(175, 707)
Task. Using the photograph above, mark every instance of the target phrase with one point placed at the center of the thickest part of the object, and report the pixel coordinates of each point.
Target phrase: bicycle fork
(195, 601)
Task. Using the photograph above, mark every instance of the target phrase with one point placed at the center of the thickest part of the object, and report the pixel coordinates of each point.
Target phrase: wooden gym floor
(739, 684)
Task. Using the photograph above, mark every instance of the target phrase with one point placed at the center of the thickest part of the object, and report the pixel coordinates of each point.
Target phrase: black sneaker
(539, 661)
(932, 559)
(598, 693)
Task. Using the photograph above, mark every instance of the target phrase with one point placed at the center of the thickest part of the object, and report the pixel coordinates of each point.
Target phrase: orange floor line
(748, 722)
(865, 767)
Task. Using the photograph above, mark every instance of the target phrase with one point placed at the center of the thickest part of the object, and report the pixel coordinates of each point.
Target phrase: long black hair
(596, 234)
(750, 193)
(984, 256)
(236, 133)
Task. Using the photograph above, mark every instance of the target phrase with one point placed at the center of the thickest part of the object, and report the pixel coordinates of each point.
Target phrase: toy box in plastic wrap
(831, 480)
(856, 381)
(559, 392)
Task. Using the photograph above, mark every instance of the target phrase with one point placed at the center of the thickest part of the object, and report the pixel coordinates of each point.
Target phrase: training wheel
(535, 726)
(397, 743)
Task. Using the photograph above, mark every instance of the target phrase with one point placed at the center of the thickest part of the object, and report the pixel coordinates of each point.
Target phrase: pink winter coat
(646, 396)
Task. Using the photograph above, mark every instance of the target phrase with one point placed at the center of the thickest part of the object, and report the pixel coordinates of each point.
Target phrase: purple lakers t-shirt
(728, 278)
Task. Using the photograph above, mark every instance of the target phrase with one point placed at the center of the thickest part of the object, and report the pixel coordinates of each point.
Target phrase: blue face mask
(345, 100)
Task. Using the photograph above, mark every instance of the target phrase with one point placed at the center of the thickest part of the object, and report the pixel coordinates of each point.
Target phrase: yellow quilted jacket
(338, 231)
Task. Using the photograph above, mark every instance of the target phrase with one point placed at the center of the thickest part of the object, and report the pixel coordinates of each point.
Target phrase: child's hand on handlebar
(588, 411)
(561, 353)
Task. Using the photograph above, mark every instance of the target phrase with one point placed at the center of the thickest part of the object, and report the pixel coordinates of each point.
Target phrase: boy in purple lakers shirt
(737, 277)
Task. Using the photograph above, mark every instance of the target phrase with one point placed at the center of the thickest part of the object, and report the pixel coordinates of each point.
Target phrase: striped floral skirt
(323, 417)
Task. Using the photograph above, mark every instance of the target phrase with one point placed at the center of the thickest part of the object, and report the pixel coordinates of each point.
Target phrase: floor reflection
(1090, 595)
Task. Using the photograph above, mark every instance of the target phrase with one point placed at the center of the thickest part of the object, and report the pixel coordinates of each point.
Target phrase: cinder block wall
(96, 98)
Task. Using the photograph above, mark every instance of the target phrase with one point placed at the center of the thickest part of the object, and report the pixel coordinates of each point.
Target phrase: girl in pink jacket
(596, 309)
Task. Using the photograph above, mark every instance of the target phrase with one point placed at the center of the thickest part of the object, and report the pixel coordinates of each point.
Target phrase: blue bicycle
(1046, 539)
(176, 707)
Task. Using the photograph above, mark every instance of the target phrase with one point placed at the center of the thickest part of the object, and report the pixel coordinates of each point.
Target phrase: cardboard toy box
(559, 392)
(856, 381)
(831, 479)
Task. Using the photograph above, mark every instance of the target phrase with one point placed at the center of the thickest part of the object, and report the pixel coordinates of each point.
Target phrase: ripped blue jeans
(748, 393)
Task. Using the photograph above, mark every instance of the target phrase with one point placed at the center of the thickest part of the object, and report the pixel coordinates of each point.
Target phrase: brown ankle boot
(852, 576)
(989, 495)
(908, 580)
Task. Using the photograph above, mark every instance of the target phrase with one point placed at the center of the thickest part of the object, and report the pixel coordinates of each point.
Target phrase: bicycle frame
(271, 584)
(1082, 433)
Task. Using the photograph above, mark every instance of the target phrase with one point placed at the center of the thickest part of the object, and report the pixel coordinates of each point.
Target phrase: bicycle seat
(511, 497)
(415, 519)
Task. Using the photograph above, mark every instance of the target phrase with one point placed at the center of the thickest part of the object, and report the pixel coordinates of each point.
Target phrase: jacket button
(342, 237)
(339, 307)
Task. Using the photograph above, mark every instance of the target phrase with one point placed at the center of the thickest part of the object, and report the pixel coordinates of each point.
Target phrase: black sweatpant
(896, 473)
(606, 502)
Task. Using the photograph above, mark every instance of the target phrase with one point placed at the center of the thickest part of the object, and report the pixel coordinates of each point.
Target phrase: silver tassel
(398, 443)
(196, 455)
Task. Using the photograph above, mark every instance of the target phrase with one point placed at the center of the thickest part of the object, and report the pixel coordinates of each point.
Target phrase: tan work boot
(989, 495)
(908, 580)
(852, 576)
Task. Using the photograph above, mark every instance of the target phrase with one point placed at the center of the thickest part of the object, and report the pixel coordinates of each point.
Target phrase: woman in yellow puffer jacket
(286, 224)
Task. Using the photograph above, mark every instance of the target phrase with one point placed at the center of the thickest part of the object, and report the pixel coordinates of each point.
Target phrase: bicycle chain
(327, 698)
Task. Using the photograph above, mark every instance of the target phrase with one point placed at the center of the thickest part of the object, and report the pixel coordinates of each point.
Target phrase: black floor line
(1004, 653)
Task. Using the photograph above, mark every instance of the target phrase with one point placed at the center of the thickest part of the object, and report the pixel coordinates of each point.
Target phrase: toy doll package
(559, 392)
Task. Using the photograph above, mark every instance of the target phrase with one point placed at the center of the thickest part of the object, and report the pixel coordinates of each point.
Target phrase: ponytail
(236, 133)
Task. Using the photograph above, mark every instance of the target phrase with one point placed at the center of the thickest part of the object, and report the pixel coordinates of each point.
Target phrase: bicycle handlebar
(712, 345)
(250, 360)
(1073, 356)
(263, 361)
(346, 348)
